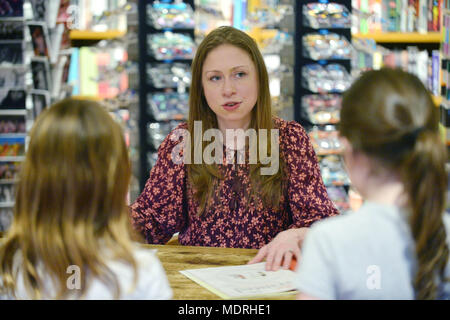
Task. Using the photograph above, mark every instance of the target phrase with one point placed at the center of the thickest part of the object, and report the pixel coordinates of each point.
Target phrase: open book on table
(243, 281)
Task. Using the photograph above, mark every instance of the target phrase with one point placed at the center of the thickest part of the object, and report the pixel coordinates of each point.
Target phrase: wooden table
(175, 258)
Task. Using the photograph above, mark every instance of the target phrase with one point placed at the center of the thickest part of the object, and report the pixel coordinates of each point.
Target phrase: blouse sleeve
(158, 211)
(308, 197)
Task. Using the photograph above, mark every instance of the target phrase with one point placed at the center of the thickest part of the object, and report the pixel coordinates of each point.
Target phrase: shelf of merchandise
(95, 35)
(146, 58)
(300, 114)
(401, 37)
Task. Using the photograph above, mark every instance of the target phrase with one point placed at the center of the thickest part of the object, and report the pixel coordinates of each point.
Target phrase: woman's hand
(281, 249)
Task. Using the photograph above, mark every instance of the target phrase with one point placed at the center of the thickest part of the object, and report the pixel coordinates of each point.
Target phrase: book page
(242, 281)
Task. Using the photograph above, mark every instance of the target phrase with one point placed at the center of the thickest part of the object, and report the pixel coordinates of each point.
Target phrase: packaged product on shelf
(333, 171)
(319, 46)
(268, 17)
(158, 131)
(339, 197)
(326, 15)
(46, 11)
(169, 46)
(12, 77)
(323, 108)
(41, 100)
(11, 30)
(170, 15)
(12, 124)
(12, 99)
(325, 141)
(339, 75)
(11, 52)
(331, 78)
(274, 45)
(7, 193)
(9, 9)
(12, 146)
(315, 78)
(40, 70)
(9, 170)
(40, 38)
(168, 106)
(164, 75)
(11, 49)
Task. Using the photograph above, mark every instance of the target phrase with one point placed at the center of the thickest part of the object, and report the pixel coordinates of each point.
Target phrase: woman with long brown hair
(70, 236)
(397, 245)
(217, 190)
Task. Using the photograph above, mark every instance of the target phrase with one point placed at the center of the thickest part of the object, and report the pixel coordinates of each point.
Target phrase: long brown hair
(71, 202)
(205, 176)
(389, 114)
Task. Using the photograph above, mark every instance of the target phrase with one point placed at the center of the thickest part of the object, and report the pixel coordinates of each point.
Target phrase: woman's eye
(215, 78)
(240, 74)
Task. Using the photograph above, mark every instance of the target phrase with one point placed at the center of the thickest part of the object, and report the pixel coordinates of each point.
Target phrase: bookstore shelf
(402, 37)
(94, 35)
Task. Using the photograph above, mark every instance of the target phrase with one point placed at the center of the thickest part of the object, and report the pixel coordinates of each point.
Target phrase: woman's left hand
(281, 249)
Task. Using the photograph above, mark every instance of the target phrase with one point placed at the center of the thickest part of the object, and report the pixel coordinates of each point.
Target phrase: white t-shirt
(152, 283)
(368, 254)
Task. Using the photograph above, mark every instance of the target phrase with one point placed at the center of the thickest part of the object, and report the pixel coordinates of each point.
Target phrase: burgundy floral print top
(167, 204)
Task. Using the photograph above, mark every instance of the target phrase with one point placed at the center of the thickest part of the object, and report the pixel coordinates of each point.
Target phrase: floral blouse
(167, 204)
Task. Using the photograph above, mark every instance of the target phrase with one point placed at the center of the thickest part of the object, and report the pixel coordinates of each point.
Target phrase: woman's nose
(228, 88)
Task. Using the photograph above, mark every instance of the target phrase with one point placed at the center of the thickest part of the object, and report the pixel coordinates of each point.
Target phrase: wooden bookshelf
(94, 35)
(401, 37)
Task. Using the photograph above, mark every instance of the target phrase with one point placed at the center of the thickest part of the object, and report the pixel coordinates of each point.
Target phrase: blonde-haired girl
(70, 237)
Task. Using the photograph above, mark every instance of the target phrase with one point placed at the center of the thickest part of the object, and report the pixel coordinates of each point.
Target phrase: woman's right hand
(282, 249)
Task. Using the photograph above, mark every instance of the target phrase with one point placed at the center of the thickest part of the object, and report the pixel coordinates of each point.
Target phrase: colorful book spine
(436, 16)
(74, 72)
(411, 20)
(88, 72)
(422, 14)
(364, 26)
(404, 16)
(436, 68)
(430, 15)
